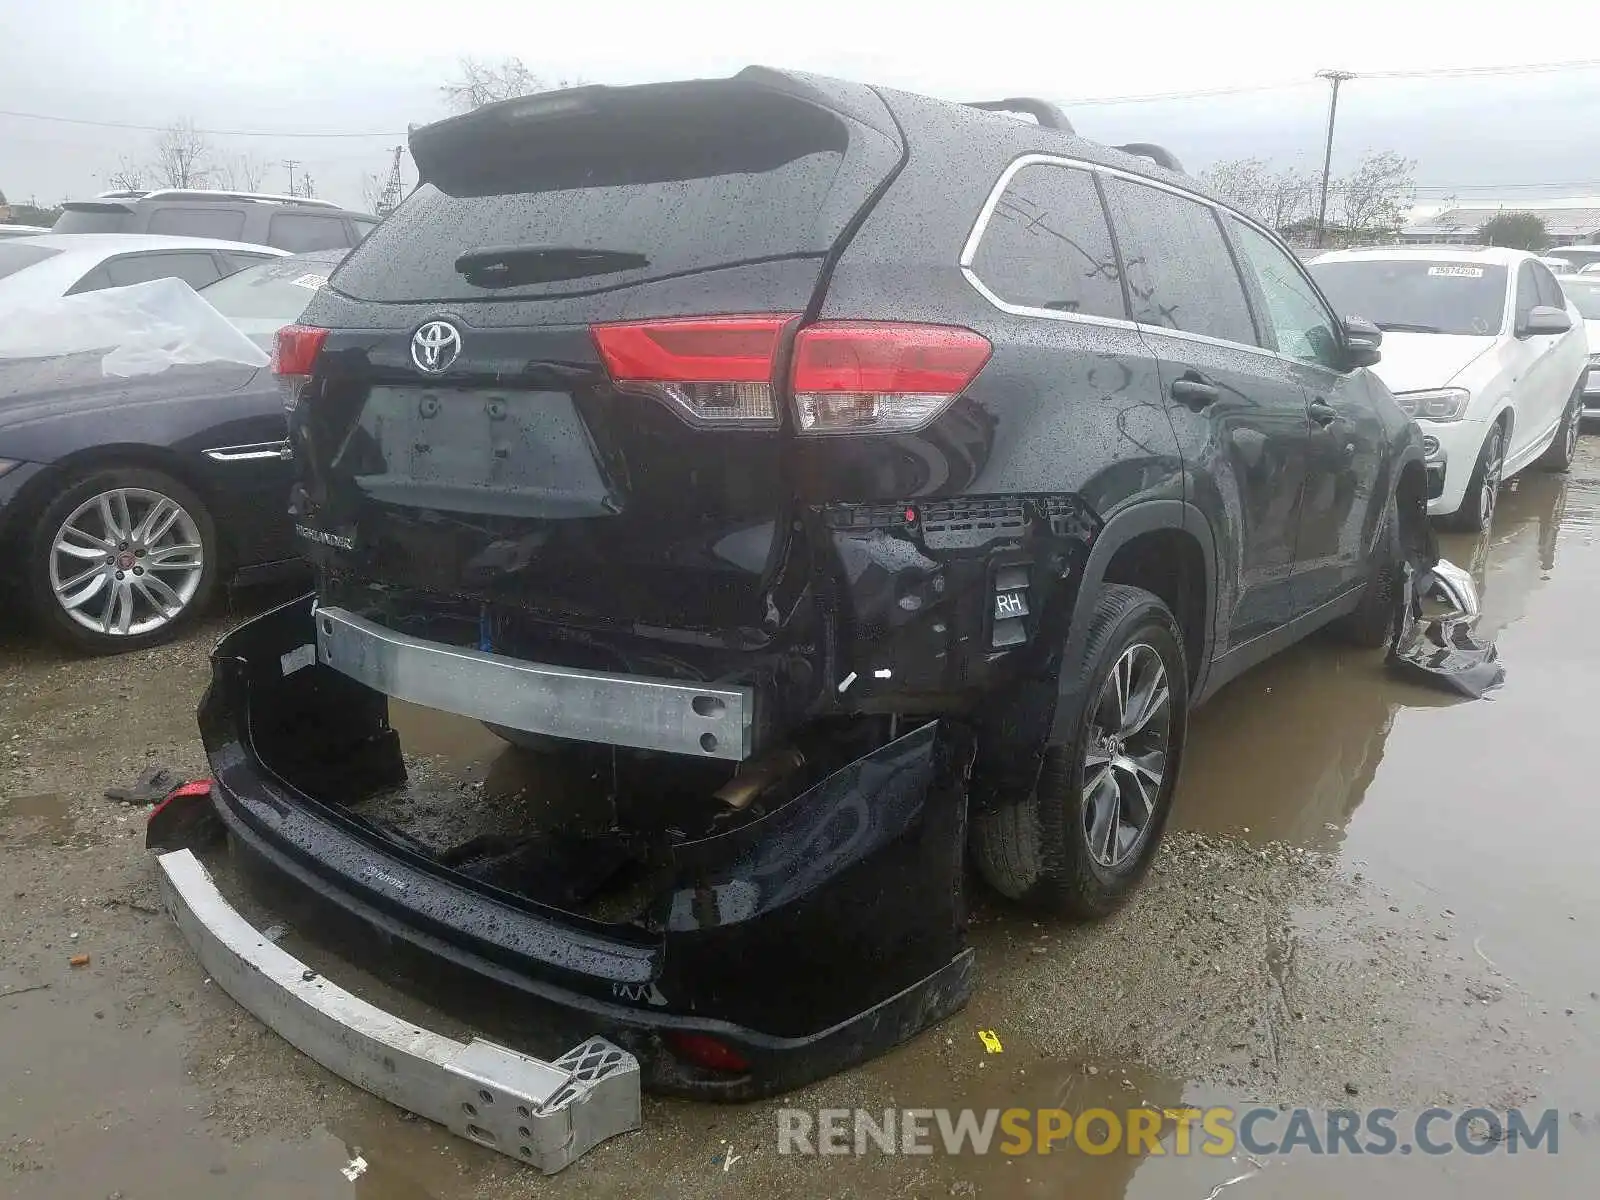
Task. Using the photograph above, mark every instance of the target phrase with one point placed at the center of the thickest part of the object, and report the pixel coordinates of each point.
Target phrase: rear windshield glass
(14, 256)
(1418, 296)
(738, 185)
(93, 220)
(261, 300)
(1586, 296)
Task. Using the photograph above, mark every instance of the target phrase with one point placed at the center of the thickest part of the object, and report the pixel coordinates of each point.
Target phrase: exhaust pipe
(756, 777)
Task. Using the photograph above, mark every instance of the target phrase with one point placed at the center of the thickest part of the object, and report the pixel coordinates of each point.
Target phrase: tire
(121, 601)
(1558, 455)
(1036, 848)
(1476, 514)
(1371, 625)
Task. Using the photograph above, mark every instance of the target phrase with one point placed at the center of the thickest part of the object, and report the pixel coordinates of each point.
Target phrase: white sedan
(1482, 347)
(53, 265)
(1583, 291)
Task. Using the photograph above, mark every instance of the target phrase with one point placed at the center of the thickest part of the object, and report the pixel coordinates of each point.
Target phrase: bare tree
(485, 83)
(182, 156)
(1278, 198)
(241, 172)
(128, 177)
(1375, 198)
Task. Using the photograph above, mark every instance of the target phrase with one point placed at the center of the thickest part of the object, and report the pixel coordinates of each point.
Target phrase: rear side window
(701, 176)
(300, 232)
(196, 268)
(14, 256)
(1047, 245)
(1180, 274)
(224, 223)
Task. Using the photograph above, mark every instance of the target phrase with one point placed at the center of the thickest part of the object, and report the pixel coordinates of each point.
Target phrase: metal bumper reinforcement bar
(545, 1114)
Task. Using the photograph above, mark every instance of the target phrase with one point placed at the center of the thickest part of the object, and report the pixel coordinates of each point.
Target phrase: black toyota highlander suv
(843, 477)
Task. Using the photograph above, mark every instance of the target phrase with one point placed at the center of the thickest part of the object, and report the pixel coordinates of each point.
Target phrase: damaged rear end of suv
(674, 433)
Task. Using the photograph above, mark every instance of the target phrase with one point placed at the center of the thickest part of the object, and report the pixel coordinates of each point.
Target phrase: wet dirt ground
(1373, 896)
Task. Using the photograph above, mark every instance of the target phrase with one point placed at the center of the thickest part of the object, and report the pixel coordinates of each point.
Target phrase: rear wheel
(1083, 839)
(1476, 514)
(1558, 456)
(121, 559)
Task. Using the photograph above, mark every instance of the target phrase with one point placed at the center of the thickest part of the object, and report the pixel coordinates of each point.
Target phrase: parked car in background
(1583, 291)
(16, 231)
(1582, 256)
(125, 501)
(293, 223)
(1558, 266)
(52, 265)
(1591, 269)
(1482, 348)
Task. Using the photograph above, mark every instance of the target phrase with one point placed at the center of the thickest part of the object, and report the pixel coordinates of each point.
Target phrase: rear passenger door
(1238, 409)
(1342, 501)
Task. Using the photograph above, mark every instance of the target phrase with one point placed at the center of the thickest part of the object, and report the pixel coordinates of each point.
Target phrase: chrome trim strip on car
(545, 1114)
(251, 453)
(969, 253)
(708, 721)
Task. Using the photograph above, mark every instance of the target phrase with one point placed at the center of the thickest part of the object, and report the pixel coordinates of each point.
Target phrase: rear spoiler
(669, 130)
(99, 206)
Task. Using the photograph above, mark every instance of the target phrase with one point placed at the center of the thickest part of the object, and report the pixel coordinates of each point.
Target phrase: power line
(258, 133)
(1428, 73)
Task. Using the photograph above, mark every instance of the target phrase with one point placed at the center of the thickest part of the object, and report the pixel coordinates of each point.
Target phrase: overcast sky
(359, 66)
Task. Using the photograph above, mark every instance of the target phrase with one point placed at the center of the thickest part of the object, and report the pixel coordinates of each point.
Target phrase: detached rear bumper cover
(818, 935)
(546, 1114)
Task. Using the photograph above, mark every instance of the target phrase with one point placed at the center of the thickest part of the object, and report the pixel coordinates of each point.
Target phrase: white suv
(1481, 346)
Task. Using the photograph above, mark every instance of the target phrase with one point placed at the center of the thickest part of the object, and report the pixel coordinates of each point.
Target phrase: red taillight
(877, 377)
(703, 1050)
(296, 350)
(714, 370)
(847, 376)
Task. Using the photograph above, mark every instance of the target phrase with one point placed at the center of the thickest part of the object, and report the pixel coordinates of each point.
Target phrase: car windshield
(1585, 295)
(261, 300)
(1417, 295)
(14, 255)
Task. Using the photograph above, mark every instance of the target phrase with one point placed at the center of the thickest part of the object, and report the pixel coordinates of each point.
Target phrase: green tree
(1519, 230)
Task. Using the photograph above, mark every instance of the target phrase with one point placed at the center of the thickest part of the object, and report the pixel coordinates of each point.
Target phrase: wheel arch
(32, 501)
(1166, 547)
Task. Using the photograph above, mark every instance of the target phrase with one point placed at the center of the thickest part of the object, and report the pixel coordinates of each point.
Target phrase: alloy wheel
(1126, 756)
(126, 562)
(1489, 493)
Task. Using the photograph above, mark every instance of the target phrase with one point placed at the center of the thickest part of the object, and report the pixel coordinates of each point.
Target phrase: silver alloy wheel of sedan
(1126, 756)
(127, 561)
(1493, 467)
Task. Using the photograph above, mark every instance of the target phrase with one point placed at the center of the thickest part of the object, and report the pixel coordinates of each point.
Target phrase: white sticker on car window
(316, 281)
(1456, 272)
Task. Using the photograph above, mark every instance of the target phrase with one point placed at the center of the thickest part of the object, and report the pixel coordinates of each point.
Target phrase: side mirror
(1544, 319)
(1361, 341)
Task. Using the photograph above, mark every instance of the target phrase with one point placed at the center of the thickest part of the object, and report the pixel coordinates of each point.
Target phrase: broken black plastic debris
(153, 785)
(1441, 652)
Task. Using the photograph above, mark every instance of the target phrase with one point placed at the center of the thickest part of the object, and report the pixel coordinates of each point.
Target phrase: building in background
(1567, 221)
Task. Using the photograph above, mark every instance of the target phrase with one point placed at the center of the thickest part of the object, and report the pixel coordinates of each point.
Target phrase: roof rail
(219, 194)
(1048, 115)
(121, 194)
(1159, 155)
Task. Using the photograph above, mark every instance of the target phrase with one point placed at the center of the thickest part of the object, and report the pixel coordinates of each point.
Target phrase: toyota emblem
(435, 346)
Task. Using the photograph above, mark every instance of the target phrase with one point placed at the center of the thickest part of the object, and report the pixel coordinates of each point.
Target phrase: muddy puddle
(1373, 895)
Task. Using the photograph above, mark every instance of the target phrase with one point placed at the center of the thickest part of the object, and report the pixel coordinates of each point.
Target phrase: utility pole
(1335, 78)
(292, 163)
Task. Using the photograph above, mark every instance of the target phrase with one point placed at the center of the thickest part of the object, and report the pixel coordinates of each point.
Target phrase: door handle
(1322, 413)
(1193, 391)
